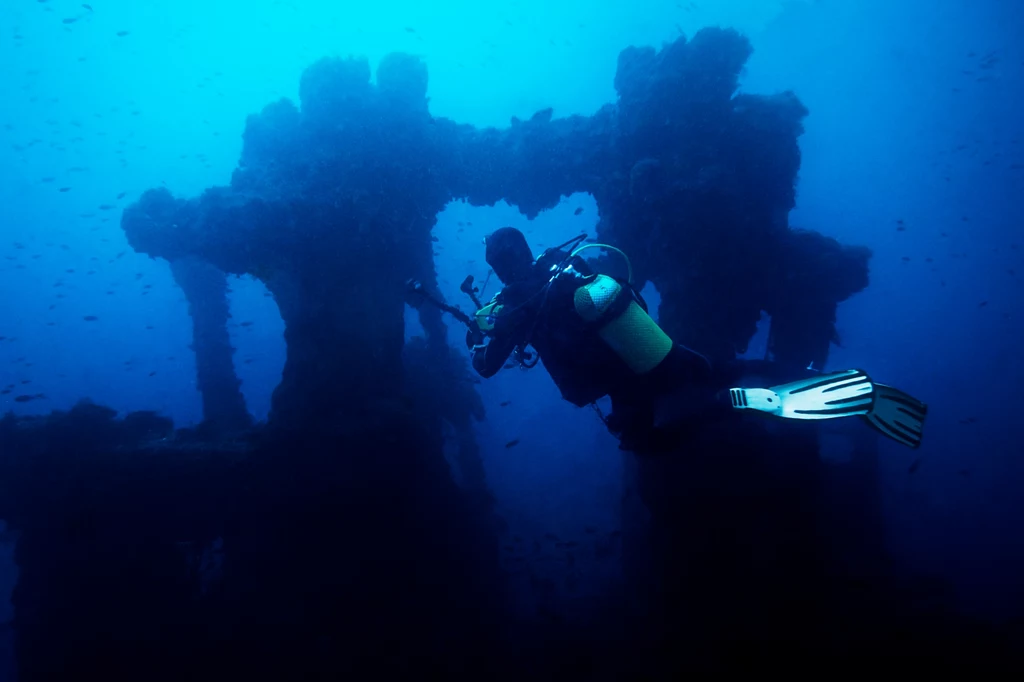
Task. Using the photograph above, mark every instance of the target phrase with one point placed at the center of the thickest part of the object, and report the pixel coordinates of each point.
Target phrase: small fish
(106, 207)
(512, 443)
(505, 403)
(122, 34)
(906, 259)
(590, 530)
(914, 466)
(434, 239)
(121, 195)
(245, 324)
(983, 304)
(64, 189)
(578, 211)
(6, 391)
(90, 318)
(47, 179)
(88, 7)
(410, 29)
(152, 374)
(29, 398)
(70, 20)
(551, 536)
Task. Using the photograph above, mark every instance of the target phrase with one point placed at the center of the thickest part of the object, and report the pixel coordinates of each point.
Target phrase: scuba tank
(615, 310)
(622, 323)
(611, 306)
(621, 319)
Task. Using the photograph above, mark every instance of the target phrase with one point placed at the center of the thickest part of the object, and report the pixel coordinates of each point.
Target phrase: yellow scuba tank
(612, 308)
(622, 323)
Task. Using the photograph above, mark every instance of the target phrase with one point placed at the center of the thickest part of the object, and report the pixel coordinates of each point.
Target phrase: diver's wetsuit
(582, 364)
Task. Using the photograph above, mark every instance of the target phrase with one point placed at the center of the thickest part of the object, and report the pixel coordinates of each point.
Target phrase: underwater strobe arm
(415, 287)
(522, 357)
(467, 288)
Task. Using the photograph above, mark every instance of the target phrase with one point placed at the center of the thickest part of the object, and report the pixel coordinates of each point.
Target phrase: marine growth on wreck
(332, 540)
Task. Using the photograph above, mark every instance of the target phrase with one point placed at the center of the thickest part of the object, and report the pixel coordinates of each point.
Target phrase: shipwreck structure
(332, 539)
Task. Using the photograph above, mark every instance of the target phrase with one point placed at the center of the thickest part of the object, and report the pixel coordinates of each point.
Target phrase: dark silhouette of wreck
(332, 540)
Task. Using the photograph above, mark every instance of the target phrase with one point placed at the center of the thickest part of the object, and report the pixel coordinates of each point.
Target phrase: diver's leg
(631, 416)
(697, 396)
(685, 393)
(690, 391)
(744, 372)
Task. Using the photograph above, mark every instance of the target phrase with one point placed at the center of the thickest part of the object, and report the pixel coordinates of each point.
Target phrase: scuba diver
(595, 338)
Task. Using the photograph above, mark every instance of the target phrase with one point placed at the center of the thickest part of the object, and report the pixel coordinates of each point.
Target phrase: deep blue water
(914, 147)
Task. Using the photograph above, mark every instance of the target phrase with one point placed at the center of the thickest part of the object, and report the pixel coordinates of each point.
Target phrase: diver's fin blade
(898, 416)
(825, 396)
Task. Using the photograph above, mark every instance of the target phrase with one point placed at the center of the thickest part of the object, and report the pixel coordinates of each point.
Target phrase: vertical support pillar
(205, 289)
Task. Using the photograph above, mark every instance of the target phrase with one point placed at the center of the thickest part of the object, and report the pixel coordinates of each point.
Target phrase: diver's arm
(510, 327)
(490, 358)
